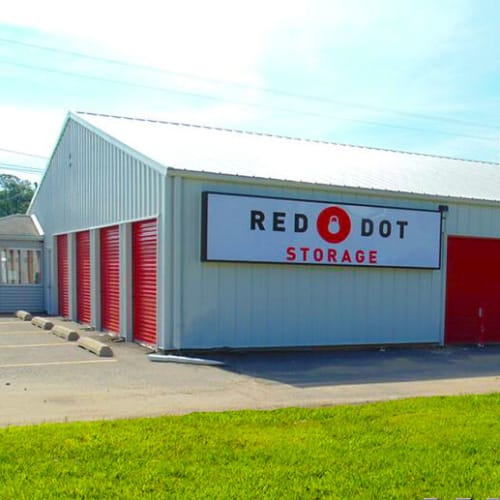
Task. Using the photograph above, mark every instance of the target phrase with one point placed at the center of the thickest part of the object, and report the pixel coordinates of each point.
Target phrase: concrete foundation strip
(102, 350)
(24, 315)
(42, 323)
(170, 358)
(65, 333)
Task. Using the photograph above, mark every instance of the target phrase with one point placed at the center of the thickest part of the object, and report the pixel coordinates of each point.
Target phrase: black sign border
(204, 231)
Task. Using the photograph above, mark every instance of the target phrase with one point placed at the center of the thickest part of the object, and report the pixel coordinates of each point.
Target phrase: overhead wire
(242, 103)
(270, 90)
(23, 153)
(22, 168)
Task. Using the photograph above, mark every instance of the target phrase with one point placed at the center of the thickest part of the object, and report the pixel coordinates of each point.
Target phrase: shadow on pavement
(317, 368)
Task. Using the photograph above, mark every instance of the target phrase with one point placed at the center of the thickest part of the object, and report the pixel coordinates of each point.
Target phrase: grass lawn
(414, 448)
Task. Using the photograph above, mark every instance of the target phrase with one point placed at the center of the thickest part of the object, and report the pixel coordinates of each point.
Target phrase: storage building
(190, 237)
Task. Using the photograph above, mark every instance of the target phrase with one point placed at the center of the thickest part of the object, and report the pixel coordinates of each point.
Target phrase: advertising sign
(240, 228)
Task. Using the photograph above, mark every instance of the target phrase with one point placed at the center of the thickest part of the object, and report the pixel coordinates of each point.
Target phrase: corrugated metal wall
(93, 183)
(90, 183)
(470, 220)
(27, 297)
(259, 305)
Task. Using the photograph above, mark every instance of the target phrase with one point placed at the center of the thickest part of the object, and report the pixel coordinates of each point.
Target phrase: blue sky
(419, 76)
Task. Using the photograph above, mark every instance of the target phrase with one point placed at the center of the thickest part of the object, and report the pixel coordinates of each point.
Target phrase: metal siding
(20, 244)
(83, 280)
(144, 263)
(88, 193)
(260, 305)
(63, 275)
(474, 221)
(110, 278)
(98, 186)
(26, 297)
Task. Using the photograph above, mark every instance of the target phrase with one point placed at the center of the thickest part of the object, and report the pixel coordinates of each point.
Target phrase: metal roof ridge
(278, 136)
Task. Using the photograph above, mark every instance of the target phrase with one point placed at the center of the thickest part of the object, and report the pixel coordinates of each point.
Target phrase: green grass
(443, 447)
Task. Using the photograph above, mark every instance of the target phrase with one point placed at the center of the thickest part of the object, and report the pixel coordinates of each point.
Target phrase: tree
(15, 195)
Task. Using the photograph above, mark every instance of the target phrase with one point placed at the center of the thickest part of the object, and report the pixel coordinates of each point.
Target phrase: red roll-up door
(472, 291)
(110, 279)
(63, 275)
(83, 292)
(144, 241)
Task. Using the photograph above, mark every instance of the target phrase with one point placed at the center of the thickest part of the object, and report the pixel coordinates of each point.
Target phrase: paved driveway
(46, 379)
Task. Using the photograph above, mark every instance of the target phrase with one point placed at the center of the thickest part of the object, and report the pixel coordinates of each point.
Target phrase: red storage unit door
(144, 242)
(472, 291)
(83, 289)
(63, 275)
(110, 279)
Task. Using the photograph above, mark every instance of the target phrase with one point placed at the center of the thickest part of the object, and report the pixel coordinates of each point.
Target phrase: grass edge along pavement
(443, 447)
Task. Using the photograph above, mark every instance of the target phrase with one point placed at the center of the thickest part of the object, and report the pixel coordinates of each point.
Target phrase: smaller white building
(21, 248)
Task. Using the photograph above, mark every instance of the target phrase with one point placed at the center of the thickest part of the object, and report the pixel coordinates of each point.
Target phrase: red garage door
(110, 279)
(144, 237)
(63, 275)
(83, 292)
(472, 291)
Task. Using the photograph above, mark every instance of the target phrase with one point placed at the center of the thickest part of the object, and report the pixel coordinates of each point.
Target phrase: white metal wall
(261, 305)
(474, 220)
(91, 183)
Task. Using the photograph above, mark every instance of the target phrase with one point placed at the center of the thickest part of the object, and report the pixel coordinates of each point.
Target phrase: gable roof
(19, 227)
(232, 152)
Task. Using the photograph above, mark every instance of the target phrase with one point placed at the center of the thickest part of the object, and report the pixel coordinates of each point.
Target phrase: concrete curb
(65, 333)
(24, 315)
(100, 349)
(171, 358)
(42, 323)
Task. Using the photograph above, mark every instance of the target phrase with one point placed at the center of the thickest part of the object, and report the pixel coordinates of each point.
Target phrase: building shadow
(322, 368)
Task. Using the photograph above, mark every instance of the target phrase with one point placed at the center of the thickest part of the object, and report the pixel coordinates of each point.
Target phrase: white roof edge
(321, 186)
(20, 237)
(162, 169)
(54, 149)
(37, 224)
(276, 136)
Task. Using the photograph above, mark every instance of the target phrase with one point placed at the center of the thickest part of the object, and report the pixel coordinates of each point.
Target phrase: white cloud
(394, 55)
(222, 38)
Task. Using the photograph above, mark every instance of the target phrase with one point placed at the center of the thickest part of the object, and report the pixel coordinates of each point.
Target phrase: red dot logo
(333, 224)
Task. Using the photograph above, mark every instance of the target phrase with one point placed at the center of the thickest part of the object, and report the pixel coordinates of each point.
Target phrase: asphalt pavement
(44, 378)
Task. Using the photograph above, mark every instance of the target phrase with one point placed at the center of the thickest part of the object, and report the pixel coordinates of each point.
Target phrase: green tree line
(15, 195)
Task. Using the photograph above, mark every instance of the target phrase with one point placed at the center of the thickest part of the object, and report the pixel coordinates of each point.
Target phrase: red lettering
(360, 256)
(332, 255)
(346, 257)
(318, 254)
(290, 254)
(372, 256)
(305, 251)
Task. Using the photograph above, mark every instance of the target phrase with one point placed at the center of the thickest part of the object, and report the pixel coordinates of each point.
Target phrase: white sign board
(287, 231)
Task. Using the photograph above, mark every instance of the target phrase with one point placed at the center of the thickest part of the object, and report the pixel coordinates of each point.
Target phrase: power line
(270, 90)
(22, 168)
(242, 103)
(23, 153)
